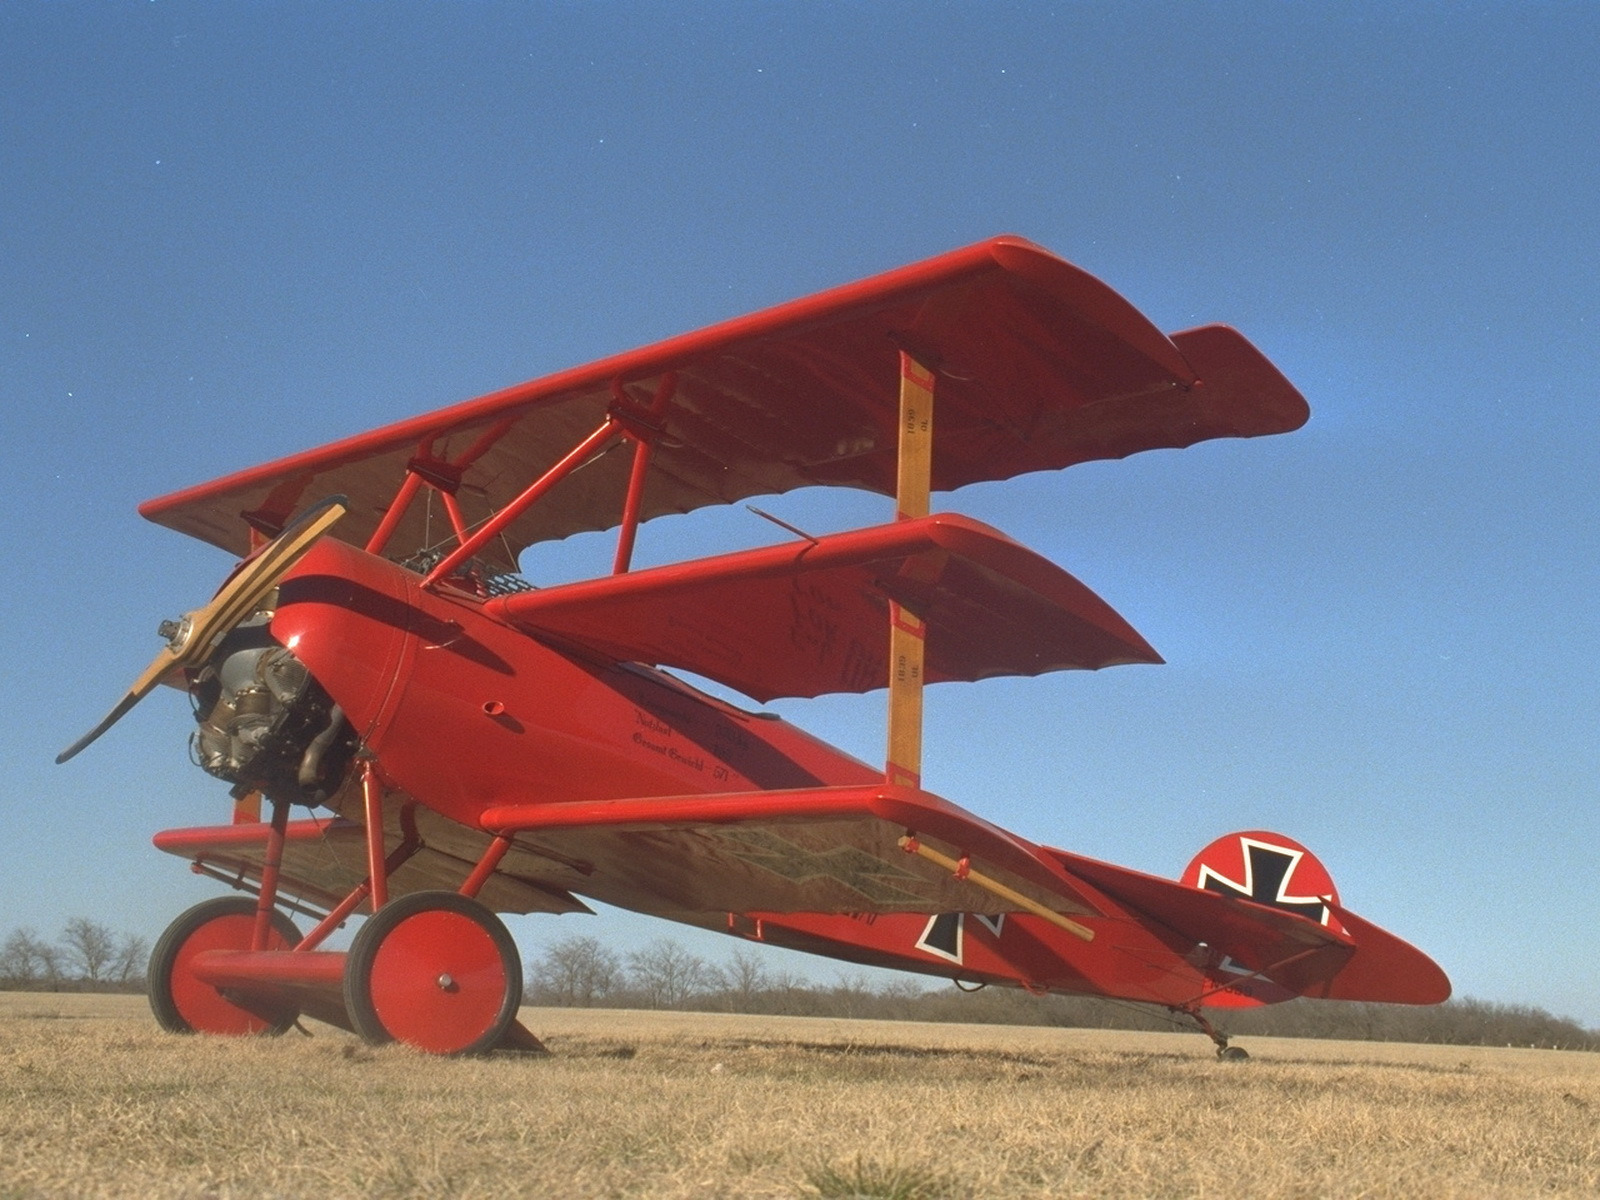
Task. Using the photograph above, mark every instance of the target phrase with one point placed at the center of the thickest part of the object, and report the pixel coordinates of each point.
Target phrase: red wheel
(434, 970)
(182, 1003)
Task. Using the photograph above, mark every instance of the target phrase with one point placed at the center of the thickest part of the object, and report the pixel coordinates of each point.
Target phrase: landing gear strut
(1225, 1052)
(435, 970)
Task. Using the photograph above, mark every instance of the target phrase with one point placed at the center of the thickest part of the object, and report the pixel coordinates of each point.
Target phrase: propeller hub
(176, 632)
(189, 639)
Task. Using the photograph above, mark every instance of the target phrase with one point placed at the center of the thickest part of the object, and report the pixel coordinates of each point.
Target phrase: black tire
(171, 991)
(1233, 1054)
(423, 1006)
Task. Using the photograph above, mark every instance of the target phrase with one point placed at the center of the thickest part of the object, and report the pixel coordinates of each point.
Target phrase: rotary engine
(265, 723)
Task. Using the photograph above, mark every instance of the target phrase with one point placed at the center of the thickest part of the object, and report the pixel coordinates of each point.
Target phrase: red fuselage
(465, 713)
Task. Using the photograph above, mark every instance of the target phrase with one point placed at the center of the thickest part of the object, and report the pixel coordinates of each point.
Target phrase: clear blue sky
(229, 232)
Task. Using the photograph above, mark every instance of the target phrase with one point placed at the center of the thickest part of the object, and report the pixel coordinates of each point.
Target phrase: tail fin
(1270, 869)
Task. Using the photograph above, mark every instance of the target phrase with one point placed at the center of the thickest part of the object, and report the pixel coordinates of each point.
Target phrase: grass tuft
(864, 1179)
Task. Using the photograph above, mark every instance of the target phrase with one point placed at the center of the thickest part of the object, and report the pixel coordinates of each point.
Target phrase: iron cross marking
(1267, 872)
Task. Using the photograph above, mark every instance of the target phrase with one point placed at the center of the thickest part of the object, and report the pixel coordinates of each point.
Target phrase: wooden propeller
(198, 633)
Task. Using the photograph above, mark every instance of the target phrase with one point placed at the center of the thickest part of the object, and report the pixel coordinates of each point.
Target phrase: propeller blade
(250, 584)
(164, 662)
(238, 598)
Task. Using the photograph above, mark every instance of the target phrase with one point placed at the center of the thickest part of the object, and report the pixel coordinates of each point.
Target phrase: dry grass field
(94, 1101)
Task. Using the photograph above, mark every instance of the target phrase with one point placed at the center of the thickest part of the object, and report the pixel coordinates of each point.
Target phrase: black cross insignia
(1267, 871)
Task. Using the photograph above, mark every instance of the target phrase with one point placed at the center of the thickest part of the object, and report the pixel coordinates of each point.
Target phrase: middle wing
(808, 618)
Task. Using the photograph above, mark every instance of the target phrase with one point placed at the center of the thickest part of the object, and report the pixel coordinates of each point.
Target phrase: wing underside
(325, 858)
(1039, 366)
(831, 849)
(808, 618)
(808, 859)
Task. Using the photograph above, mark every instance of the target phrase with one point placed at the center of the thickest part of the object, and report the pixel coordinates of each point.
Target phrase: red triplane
(487, 746)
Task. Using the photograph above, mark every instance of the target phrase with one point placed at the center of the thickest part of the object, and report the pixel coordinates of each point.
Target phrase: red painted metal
(807, 618)
(341, 912)
(1042, 366)
(305, 831)
(395, 511)
(337, 916)
(372, 811)
(527, 734)
(185, 1001)
(595, 731)
(636, 775)
(268, 896)
(630, 508)
(246, 969)
(435, 971)
(644, 433)
(608, 431)
(895, 809)
(452, 508)
(486, 866)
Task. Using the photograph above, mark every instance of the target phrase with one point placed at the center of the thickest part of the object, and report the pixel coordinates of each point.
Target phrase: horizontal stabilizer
(811, 617)
(1247, 942)
(1383, 968)
(1251, 934)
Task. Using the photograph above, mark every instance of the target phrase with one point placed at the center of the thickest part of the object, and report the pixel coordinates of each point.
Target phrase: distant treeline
(582, 972)
(86, 956)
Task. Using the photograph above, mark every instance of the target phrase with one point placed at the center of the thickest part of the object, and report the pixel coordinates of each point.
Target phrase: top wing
(1040, 366)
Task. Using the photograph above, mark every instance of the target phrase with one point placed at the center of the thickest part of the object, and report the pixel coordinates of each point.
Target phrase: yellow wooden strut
(963, 870)
(907, 633)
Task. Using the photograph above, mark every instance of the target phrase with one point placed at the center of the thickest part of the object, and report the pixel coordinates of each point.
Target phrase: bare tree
(743, 979)
(853, 993)
(90, 946)
(52, 968)
(23, 959)
(666, 974)
(128, 963)
(575, 972)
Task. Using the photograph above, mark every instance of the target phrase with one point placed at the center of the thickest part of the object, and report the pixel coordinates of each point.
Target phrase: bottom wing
(823, 850)
(324, 859)
(828, 870)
